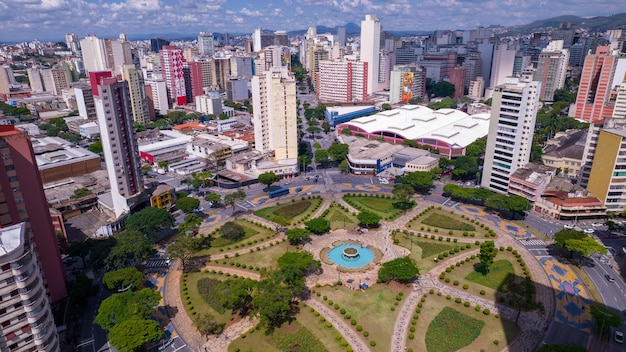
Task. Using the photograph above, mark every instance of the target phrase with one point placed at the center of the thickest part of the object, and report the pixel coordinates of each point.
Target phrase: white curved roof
(418, 122)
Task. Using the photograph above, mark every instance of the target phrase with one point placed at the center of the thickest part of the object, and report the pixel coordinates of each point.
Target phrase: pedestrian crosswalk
(532, 242)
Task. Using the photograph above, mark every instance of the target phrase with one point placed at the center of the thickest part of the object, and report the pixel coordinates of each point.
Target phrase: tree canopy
(232, 199)
(508, 205)
(131, 334)
(604, 317)
(123, 278)
(125, 306)
(149, 221)
(303, 261)
(403, 192)
(576, 241)
(268, 178)
(232, 231)
(465, 167)
(297, 235)
(130, 248)
(400, 269)
(368, 219)
(322, 157)
(272, 303)
(439, 89)
(318, 225)
(421, 181)
(338, 151)
(183, 248)
(187, 204)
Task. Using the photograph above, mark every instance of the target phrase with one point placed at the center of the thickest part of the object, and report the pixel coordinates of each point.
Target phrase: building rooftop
(569, 144)
(414, 122)
(11, 238)
(54, 152)
(362, 148)
(534, 173)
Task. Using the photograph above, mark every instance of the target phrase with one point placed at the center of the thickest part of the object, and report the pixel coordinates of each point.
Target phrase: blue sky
(51, 19)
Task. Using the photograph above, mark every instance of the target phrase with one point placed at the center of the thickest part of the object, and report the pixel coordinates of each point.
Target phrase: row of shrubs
(341, 207)
(258, 248)
(345, 314)
(316, 205)
(216, 232)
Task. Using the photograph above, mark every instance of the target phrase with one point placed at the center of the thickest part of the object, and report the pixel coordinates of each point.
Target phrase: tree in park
(232, 199)
(488, 252)
(338, 151)
(297, 235)
(368, 219)
(421, 181)
(232, 231)
(508, 205)
(190, 224)
(183, 249)
(130, 248)
(131, 334)
(124, 278)
(400, 269)
(213, 198)
(302, 261)
(236, 294)
(149, 221)
(578, 242)
(268, 178)
(125, 306)
(344, 166)
(521, 294)
(605, 318)
(318, 226)
(207, 325)
(272, 303)
(465, 167)
(403, 193)
(187, 204)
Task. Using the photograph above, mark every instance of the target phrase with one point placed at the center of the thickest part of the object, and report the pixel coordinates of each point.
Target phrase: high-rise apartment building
(137, 90)
(594, 91)
(72, 42)
(156, 44)
(262, 39)
(201, 76)
(509, 142)
(7, 79)
(158, 93)
(94, 54)
(407, 82)
(608, 172)
(275, 114)
(476, 88)
(385, 64)
(502, 65)
(472, 66)
(457, 77)
(119, 144)
(342, 81)
(552, 69)
(35, 80)
(60, 79)
(172, 66)
(273, 56)
(206, 43)
(341, 36)
(84, 101)
(619, 112)
(370, 47)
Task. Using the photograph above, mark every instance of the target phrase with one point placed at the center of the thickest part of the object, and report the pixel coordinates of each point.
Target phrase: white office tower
(137, 89)
(71, 40)
(206, 43)
(502, 65)
(256, 40)
(275, 114)
(370, 46)
(509, 142)
(552, 69)
(94, 54)
(158, 88)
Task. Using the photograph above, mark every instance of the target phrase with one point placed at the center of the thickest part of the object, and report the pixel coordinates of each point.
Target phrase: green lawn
(499, 272)
(446, 222)
(340, 219)
(265, 258)
(198, 302)
(452, 330)
(381, 206)
(370, 308)
(288, 212)
(423, 251)
(306, 333)
(253, 233)
(494, 328)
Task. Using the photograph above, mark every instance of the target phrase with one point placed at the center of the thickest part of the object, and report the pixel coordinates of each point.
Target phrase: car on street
(589, 231)
(569, 226)
(609, 278)
(619, 336)
(597, 224)
(299, 189)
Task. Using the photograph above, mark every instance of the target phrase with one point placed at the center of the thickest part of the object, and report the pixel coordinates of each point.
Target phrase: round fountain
(350, 255)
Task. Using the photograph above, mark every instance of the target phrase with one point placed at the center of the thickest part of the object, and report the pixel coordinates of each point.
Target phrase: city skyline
(50, 20)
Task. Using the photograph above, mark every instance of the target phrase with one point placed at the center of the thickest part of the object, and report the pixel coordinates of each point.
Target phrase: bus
(279, 192)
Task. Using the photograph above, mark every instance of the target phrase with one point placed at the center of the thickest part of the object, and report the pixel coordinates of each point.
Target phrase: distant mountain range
(617, 21)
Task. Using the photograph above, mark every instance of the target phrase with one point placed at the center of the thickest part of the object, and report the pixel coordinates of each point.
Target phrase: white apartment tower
(119, 144)
(342, 81)
(502, 65)
(72, 42)
(206, 44)
(370, 47)
(137, 90)
(513, 115)
(552, 69)
(94, 54)
(7, 79)
(275, 114)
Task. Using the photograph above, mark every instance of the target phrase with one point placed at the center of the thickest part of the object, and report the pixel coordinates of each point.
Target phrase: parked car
(609, 278)
(619, 336)
(569, 226)
(597, 224)
(589, 231)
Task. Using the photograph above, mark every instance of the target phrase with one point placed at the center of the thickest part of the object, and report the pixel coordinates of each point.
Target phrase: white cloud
(246, 12)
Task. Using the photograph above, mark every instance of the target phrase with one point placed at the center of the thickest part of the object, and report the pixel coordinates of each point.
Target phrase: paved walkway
(346, 331)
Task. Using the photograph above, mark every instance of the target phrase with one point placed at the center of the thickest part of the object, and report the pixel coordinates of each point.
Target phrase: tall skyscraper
(137, 90)
(275, 114)
(502, 65)
(156, 44)
(594, 91)
(341, 35)
(370, 47)
(172, 65)
(552, 69)
(7, 79)
(513, 115)
(119, 144)
(94, 54)
(607, 177)
(206, 43)
(342, 81)
(84, 101)
(72, 42)
(457, 77)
